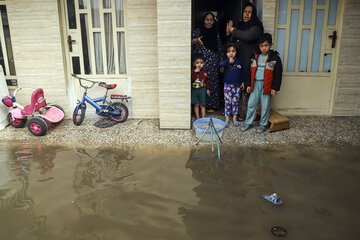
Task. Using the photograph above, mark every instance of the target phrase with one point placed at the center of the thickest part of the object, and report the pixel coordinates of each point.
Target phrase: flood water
(61, 193)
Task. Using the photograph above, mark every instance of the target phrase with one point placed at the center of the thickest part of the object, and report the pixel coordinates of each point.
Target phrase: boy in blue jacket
(233, 82)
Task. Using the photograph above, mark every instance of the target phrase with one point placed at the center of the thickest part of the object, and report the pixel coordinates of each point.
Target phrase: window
(99, 27)
(6, 52)
(303, 34)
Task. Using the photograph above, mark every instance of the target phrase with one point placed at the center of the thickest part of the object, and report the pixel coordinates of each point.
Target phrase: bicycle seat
(107, 86)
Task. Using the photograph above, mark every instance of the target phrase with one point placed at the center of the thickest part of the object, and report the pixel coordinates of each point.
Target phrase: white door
(95, 40)
(307, 38)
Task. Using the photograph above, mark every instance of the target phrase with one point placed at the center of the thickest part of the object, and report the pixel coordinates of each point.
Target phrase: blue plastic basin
(201, 125)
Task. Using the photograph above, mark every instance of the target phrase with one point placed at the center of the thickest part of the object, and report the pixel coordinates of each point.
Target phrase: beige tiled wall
(36, 41)
(269, 11)
(347, 91)
(174, 34)
(143, 57)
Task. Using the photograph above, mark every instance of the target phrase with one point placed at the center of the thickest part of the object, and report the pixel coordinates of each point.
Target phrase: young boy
(200, 86)
(266, 75)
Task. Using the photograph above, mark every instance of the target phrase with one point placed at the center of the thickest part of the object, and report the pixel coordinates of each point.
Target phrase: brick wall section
(36, 41)
(347, 91)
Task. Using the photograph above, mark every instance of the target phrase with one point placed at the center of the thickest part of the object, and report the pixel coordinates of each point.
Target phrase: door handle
(70, 42)
(334, 37)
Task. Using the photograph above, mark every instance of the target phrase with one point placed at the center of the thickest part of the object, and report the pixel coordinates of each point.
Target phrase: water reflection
(98, 179)
(312, 181)
(227, 191)
(17, 215)
(54, 193)
(132, 195)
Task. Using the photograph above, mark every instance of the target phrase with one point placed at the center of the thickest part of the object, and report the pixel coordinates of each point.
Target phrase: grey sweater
(247, 43)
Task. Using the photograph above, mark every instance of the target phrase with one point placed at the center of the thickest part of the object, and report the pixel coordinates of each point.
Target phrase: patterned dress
(211, 66)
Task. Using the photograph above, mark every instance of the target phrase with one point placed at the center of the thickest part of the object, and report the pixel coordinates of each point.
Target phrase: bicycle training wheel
(79, 116)
(16, 122)
(122, 116)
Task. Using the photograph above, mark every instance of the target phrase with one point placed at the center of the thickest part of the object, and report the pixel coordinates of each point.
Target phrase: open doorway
(223, 11)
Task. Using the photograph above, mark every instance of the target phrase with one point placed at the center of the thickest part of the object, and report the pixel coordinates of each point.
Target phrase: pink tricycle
(41, 113)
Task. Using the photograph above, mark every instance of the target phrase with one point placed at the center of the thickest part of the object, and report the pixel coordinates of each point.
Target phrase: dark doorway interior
(224, 10)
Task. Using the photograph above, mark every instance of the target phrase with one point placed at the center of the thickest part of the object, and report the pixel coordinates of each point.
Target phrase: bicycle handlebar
(80, 78)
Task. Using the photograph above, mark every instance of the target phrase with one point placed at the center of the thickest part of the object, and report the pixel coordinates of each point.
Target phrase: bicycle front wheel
(123, 112)
(79, 115)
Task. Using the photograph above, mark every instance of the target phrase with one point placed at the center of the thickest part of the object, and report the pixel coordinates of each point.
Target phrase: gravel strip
(304, 130)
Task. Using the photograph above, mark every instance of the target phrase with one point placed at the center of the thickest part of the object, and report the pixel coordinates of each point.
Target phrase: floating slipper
(210, 110)
(226, 124)
(273, 198)
(245, 127)
(279, 231)
(261, 129)
(236, 123)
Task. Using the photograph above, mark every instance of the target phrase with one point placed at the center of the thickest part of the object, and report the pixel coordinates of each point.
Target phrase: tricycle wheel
(122, 116)
(37, 126)
(18, 123)
(79, 116)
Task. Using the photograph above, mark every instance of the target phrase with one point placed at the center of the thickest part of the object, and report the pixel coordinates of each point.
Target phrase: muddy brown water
(62, 193)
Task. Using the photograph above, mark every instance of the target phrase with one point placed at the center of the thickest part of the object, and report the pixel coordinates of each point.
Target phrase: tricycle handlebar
(16, 91)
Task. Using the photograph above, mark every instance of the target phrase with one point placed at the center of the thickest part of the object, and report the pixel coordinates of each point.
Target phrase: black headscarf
(209, 35)
(254, 20)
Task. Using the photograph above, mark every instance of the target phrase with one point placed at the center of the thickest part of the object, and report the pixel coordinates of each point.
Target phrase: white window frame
(91, 30)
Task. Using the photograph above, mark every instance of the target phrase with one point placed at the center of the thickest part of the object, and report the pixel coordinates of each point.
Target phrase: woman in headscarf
(245, 36)
(206, 41)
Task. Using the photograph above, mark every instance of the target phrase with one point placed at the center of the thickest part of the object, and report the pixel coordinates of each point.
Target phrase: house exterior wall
(142, 54)
(158, 58)
(174, 50)
(269, 11)
(36, 42)
(347, 91)
(39, 57)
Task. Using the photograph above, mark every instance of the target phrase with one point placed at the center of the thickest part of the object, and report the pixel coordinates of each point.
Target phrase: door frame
(340, 17)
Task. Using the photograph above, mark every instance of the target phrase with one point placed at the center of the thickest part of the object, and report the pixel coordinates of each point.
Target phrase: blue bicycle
(116, 111)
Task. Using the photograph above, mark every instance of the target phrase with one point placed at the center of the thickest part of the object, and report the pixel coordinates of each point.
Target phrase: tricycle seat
(37, 102)
(28, 110)
(53, 115)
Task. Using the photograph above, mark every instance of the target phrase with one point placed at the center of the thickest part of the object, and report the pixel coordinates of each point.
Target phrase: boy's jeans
(255, 96)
